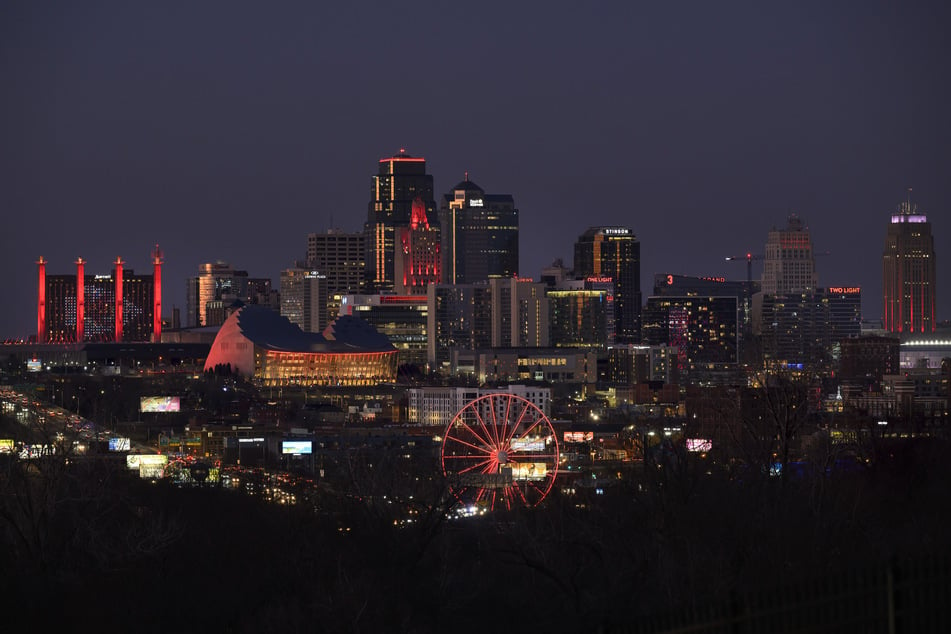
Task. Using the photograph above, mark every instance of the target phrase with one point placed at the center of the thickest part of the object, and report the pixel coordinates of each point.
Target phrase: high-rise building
(581, 315)
(417, 261)
(908, 272)
(789, 265)
(401, 318)
(341, 258)
(90, 315)
(220, 282)
(458, 316)
(479, 235)
(703, 329)
(401, 179)
(519, 313)
(304, 298)
(614, 254)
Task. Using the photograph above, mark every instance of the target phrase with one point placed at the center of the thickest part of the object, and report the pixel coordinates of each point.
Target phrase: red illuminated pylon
(80, 300)
(41, 303)
(157, 295)
(118, 335)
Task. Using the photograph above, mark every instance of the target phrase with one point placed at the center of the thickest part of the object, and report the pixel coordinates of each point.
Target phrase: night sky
(230, 130)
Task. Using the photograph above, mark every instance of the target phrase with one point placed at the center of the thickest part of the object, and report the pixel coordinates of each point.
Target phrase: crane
(749, 257)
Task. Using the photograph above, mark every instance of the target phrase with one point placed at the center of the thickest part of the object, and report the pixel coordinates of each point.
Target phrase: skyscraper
(479, 234)
(304, 298)
(341, 258)
(615, 253)
(401, 179)
(417, 262)
(908, 272)
(789, 265)
(220, 282)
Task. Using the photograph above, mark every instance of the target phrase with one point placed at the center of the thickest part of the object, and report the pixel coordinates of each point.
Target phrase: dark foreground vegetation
(85, 547)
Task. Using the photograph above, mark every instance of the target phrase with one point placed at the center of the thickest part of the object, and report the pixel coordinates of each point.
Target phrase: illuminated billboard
(296, 447)
(6, 445)
(528, 444)
(34, 365)
(120, 444)
(699, 444)
(160, 404)
(579, 436)
(529, 470)
(148, 465)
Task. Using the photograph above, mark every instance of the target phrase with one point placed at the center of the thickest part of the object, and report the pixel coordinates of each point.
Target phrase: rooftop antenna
(467, 175)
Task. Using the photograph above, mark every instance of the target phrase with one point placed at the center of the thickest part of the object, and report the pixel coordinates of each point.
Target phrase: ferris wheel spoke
(518, 423)
(505, 419)
(484, 450)
(528, 431)
(491, 442)
(522, 495)
(483, 439)
(493, 412)
(475, 466)
(540, 492)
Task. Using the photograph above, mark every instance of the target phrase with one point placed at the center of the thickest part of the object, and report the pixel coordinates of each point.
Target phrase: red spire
(419, 214)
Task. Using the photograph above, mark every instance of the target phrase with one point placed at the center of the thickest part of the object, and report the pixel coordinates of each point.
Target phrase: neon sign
(476, 202)
(599, 279)
(846, 290)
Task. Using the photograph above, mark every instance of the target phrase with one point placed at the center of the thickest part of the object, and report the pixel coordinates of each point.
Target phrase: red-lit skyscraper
(908, 272)
(417, 261)
(401, 180)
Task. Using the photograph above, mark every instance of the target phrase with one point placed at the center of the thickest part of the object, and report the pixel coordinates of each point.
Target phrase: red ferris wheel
(500, 450)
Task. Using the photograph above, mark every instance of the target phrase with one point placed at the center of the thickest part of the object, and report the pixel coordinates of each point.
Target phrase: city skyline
(128, 127)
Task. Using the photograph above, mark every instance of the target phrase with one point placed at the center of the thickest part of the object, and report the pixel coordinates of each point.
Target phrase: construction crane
(749, 257)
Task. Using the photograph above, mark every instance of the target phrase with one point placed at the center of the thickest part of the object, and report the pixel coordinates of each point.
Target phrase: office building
(403, 319)
(614, 254)
(908, 272)
(417, 261)
(304, 298)
(580, 315)
(221, 282)
(479, 235)
(341, 258)
(519, 313)
(789, 265)
(401, 179)
(458, 316)
(703, 329)
(115, 307)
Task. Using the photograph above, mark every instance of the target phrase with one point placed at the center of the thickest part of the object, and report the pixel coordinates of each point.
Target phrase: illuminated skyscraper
(304, 298)
(479, 235)
(417, 262)
(908, 272)
(220, 282)
(341, 258)
(614, 254)
(789, 265)
(401, 179)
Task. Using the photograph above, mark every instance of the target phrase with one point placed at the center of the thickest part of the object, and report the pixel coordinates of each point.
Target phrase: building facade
(116, 307)
(614, 254)
(401, 179)
(908, 273)
(789, 265)
(418, 261)
(304, 298)
(403, 319)
(479, 235)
